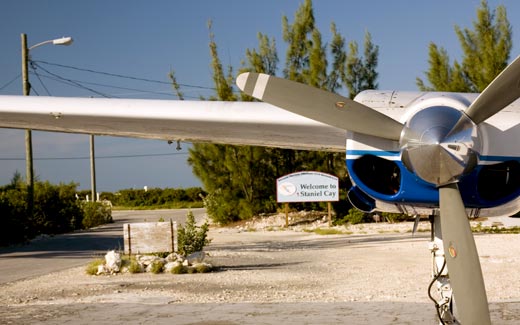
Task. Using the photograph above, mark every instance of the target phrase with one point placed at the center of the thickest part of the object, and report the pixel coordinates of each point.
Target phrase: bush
(92, 267)
(178, 269)
(192, 238)
(353, 217)
(394, 217)
(134, 266)
(156, 267)
(96, 214)
(56, 209)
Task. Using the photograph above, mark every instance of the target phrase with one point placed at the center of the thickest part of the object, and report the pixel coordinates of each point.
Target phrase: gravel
(375, 274)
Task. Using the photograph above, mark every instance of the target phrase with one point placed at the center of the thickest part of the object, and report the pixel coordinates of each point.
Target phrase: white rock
(113, 261)
(147, 259)
(101, 269)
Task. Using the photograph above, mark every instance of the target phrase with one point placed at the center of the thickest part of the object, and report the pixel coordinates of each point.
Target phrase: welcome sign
(307, 187)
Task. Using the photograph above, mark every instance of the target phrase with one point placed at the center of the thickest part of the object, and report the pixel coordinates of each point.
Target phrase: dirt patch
(377, 274)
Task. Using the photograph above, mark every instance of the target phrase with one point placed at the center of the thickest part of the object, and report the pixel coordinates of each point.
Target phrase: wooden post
(176, 238)
(329, 208)
(286, 215)
(129, 240)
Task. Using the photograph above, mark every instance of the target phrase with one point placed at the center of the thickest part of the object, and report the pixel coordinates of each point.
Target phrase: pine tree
(485, 49)
(239, 179)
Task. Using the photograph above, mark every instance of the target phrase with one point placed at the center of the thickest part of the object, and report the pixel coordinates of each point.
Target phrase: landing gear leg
(440, 276)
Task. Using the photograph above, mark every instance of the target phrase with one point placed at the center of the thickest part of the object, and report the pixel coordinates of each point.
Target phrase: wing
(239, 123)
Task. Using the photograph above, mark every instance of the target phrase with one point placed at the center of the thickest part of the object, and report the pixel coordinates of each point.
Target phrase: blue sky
(146, 39)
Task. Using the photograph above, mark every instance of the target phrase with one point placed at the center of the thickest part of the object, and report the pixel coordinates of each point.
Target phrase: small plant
(178, 269)
(134, 266)
(92, 267)
(191, 237)
(157, 267)
(330, 231)
(203, 268)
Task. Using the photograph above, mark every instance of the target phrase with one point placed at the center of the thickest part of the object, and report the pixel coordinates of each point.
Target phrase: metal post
(92, 169)
(29, 171)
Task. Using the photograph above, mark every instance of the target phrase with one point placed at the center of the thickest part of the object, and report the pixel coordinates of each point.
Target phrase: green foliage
(239, 180)
(354, 216)
(156, 267)
(179, 269)
(96, 214)
(56, 210)
(394, 217)
(330, 231)
(192, 238)
(154, 197)
(16, 225)
(92, 267)
(485, 50)
(203, 268)
(134, 266)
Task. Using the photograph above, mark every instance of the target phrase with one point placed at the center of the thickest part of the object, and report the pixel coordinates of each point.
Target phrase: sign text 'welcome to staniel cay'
(307, 187)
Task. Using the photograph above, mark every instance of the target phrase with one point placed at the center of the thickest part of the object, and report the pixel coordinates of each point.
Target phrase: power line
(70, 81)
(122, 76)
(41, 82)
(100, 157)
(10, 82)
(162, 93)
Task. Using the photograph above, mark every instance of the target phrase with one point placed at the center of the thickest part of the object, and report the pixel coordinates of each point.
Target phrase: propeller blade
(501, 92)
(462, 258)
(319, 105)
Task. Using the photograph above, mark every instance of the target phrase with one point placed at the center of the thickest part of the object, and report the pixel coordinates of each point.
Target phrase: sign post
(307, 187)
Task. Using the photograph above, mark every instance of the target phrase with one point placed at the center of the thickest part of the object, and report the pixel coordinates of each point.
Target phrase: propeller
(440, 153)
(319, 105)
(462, 258)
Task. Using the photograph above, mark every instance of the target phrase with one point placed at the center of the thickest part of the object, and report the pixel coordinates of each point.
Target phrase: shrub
(156, 267)
(203, 268)
(394, 217)
(96, 214)
(178, 269)
(92, 267)
(134, 266)
(353, 217)
(56, 209)
(192, 238)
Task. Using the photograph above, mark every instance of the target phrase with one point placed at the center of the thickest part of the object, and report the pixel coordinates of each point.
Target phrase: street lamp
(29, 173)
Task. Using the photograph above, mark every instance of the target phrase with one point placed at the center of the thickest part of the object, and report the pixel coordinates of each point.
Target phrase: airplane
(447, 155)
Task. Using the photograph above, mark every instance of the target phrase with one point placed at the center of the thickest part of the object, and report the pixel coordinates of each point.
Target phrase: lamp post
(29, 172)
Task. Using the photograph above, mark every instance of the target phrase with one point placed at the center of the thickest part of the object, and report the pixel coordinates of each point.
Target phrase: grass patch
(330, 231)
(92, 267)
(134, 266)
(495, 230)
(203, 268)
(157, 267)
(178, 269)
(172, 205)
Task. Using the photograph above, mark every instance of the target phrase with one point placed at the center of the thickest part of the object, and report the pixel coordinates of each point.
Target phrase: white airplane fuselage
(383, 181)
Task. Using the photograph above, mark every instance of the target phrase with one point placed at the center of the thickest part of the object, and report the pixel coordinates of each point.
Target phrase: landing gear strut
(440, 276)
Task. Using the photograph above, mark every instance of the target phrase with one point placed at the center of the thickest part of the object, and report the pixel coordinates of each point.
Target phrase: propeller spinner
(439, 144)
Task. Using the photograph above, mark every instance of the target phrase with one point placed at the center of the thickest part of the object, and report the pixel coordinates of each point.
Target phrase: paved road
(74, 249)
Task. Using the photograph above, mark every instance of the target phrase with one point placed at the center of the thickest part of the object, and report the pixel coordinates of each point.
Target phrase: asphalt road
(50, 254)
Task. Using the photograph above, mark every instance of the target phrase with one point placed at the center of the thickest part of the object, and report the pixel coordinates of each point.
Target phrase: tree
(486, 51)
(240, 180)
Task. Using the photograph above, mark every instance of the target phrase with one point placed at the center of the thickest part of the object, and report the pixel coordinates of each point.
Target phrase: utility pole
(29, 170)
(92, 169)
